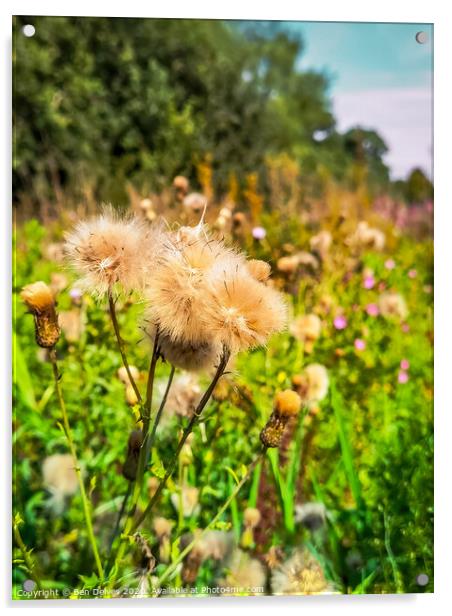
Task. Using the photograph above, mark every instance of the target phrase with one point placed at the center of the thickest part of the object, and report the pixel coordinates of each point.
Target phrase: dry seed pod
(286, 404)
(40, 301)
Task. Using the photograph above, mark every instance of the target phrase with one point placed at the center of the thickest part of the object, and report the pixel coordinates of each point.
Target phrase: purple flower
(372, 310)
(360, 345)
(405, 328)
(259, 233)
(75, 293)
(340, 322)
(403, 377)
(390, 264)
(369, 282)
(412, 273)
(405, 364)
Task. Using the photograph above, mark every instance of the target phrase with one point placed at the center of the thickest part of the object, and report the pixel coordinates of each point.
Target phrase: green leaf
(21, 376)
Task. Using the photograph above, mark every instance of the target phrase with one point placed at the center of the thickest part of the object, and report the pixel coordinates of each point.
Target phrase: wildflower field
(223, 389)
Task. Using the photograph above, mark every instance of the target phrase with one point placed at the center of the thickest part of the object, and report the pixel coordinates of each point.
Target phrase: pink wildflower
(390, 264)
(372, 310)
(340, 322)
(403, 377)
(259, 233)
(360, 345)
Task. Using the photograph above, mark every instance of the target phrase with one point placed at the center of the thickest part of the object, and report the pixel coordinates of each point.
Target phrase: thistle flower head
(176, 291)
(40, 301)
(300, 575)
(60, 479)
(306, 327)
(312, 384)
(162, 527)
(108, 251)
(392, 305)
(260, 270)
(38, 297)
(242, 313)
(188, 500)
(321, 242)
(244, 574)
(203, 299)
(287, 403)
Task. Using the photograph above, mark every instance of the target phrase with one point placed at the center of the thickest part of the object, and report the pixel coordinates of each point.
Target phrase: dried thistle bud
(147, 558)
(287, 404)
(251, 517)
(129, 469)
(40, 301)
(272, 433)
(181, 185)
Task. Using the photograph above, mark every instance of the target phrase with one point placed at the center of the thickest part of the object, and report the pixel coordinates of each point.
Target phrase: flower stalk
(68, 434)
(114, 320)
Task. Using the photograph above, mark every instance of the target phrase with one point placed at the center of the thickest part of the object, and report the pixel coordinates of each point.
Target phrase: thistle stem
(120, 514)
(114, 320)
(31, 566)
(217, 516)
(194, 419)
(151, 439)
(130, 526)
(68, 434)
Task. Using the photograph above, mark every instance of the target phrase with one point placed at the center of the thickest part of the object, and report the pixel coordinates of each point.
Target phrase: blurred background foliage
(104, 102)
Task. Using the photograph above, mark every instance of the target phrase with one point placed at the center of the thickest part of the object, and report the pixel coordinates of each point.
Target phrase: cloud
(402, 116)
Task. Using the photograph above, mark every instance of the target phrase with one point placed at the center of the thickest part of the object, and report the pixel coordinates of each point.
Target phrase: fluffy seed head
(306, 327)
(176, 291)
(300, 575)
(108, 251)
(162, 527)
(242, 313)
(189, 499)
(59, 474)
(312, 385)
(244, 573)
(260, 270)
(393, 305)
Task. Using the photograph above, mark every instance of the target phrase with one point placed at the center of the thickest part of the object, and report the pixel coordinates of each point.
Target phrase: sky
(380, 78)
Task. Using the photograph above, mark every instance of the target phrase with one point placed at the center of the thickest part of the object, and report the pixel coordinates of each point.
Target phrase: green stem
(114, 320)
(68, 434)
(219, 513)
(194, 419)
(151, 439)
(120, 514)
(132, 527)
(31, 565)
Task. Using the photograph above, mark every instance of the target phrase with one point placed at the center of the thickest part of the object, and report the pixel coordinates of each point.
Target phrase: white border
(435, 11)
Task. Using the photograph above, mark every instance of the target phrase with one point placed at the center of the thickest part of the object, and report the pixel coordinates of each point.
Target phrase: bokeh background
(311, 143)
